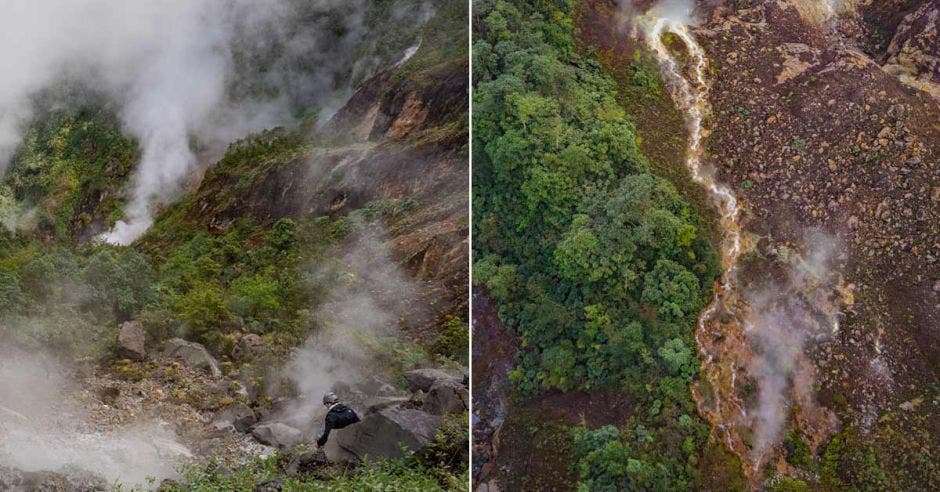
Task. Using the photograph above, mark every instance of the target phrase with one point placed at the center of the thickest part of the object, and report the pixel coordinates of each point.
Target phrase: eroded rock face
(383, 433)
(193, 355)
(132, 340)
(277, 434)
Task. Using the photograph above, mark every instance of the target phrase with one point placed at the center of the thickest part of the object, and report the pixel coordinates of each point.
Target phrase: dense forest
(599, 266)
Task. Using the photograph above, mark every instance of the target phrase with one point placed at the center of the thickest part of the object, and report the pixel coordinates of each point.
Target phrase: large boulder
(277, 434)
(423, 379)
(193, 355)
(237, 415)
(384, 433)
(131, 341)
(447, 396)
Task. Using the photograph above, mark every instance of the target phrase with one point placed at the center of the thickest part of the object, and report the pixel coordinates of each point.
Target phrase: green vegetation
(798, 452)
(383, 475)
(69, 171)
(599, 266)
(887, 457)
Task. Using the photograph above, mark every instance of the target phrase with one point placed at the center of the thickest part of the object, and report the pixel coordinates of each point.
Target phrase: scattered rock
(384, 433)
(277, 434)
(72, 480)
(131, 341)
(447, 396)
(193, 355)
(238, 415)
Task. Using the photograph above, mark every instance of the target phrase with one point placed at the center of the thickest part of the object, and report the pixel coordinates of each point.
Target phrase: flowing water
(762, 333)
(689, 87)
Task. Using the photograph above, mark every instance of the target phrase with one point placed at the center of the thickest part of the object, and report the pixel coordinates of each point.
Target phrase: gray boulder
(383, 433)
(131, 341)
(237, 415)
(193, 355)
(447, 396)
(422, 379)
(277, 434)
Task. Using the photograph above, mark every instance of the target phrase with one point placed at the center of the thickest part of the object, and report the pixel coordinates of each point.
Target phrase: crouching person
(338, 416)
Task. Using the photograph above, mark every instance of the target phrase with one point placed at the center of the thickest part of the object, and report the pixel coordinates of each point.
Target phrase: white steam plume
(367, 295)
(43, 428)
(786, 319)
(189, 75)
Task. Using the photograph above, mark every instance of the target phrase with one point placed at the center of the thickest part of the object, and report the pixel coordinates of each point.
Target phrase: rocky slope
(817, 135)
(824, 122)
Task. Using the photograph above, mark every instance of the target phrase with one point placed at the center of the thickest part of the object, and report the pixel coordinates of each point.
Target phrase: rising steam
(367, 294)
(43, 427)
(189, 75)
(785, 320)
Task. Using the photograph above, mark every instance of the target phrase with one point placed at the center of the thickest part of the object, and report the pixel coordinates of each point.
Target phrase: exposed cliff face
(396, 139)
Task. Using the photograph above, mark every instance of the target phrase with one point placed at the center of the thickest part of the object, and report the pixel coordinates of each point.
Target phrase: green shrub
(203, 311)
(454, 341)
(256, 296)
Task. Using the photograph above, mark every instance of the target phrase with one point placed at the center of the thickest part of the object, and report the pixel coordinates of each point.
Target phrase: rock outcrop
(422, 379)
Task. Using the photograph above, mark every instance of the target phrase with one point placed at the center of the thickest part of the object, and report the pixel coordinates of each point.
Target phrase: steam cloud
(786, 318)
(368, 294)
(681, 11)
(43, 428)
(189, 75)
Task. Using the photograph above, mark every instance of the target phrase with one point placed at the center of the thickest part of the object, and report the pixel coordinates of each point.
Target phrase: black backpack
(343, 416)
